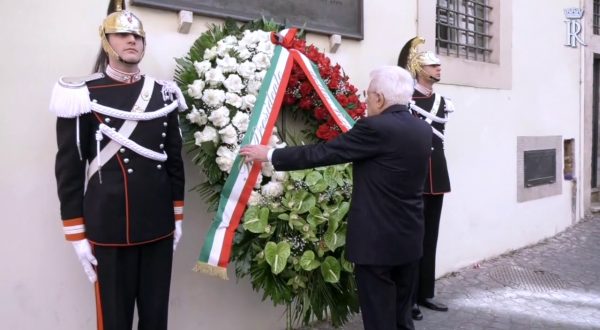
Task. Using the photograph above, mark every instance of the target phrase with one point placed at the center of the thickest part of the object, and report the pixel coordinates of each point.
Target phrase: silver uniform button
(107, 120)
(165, 124)
(159, 166)
(164, 134)
(162, 146)
(122, 150)
(130, 170)
(126, 160)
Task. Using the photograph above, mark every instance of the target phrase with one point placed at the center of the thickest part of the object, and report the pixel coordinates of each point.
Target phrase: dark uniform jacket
(131, 199)
(389, 153)
(438, 181)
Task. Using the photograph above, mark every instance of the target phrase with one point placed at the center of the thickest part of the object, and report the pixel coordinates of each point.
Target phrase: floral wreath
(291, 243)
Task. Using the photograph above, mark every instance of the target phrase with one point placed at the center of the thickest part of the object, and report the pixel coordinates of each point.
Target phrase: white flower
(219, 117)
(267, 169)
(243, 53)
(223, 48)
(261, 60)
(260, 75)
(207, 134)
(209, 54)
(246, 69)
(195, 89)
(253, 86)
(261, 35)
(214, 76)
(227, 64)
(233, 83)
(266, 47)
(202, 67)
(248, 102)
(240, 121)
(213, 97)
(274, 140)
(233, 99)
(279, 176)
(272, 189)
(250, 39)
(255, 198)
(197, 116)
(229, 40)
(258, 181)
(225, 158)
(229, 135)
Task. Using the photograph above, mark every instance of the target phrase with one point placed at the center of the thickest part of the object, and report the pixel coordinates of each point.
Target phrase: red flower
(321, 113)
(305, 88)
(302, 94)
(305, 103)
(326, 132)
(289, 99)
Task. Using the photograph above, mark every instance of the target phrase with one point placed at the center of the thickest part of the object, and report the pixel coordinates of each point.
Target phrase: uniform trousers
(131, 275)
(432, 206)
(385, 294)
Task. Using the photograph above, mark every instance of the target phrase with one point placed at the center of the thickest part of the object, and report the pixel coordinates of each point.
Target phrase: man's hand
(255, 152)
(177, 233)
(83, 249)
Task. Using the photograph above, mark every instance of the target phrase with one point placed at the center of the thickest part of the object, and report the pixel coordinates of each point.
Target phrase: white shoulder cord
(138, 149)
(130, 115)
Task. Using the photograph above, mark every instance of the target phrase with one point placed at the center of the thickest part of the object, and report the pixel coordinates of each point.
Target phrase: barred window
(596, 23)
(463, 29)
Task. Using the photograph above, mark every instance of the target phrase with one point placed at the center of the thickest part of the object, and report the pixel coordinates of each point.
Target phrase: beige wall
(42, 285)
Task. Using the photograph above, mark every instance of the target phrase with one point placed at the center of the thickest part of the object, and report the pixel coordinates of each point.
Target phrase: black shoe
(433, 305)
(416, 313)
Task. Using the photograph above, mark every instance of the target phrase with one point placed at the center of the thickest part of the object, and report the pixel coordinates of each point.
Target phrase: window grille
(596, 23)
(463, 29)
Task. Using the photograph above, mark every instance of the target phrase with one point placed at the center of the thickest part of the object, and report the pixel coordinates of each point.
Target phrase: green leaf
(315, 217)
(346, 265)
(308, 262)
(334, 239)
(312, 178)
(277, 255)
(256, 220)
(330, 269)
(297, 175)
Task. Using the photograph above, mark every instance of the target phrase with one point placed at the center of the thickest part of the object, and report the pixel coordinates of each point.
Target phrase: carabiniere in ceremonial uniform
(434, 109)
(120, 177)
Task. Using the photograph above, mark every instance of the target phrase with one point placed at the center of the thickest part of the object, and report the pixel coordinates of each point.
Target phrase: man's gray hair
(395, 83)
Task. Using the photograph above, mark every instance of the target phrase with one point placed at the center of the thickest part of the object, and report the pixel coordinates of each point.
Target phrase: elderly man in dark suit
(389, 150)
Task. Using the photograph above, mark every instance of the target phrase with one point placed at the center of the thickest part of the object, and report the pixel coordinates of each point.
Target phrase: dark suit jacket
(389, 153)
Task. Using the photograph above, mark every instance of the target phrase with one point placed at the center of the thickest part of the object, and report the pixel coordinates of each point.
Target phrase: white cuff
(270, 154)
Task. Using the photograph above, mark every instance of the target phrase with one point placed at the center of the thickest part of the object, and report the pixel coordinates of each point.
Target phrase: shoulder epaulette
(170, 89)
(71, 97)
(75, 82)
(448, 105)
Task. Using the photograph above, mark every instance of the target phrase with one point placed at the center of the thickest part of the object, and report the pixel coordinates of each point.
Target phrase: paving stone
(478, 301)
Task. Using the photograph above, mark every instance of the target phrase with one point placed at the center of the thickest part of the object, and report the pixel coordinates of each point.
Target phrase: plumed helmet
(412, 60)
(119, 20)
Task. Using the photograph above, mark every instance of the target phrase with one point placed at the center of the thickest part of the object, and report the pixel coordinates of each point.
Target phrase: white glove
(87, 259)
(177, 233)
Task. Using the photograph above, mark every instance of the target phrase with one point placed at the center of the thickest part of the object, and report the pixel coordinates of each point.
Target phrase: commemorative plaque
(540, 167)
(343, 17)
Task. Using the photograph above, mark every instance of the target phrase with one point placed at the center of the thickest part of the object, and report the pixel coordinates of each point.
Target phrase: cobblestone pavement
(554, 284)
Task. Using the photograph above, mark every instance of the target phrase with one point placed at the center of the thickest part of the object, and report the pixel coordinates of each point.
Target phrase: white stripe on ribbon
(244, 171)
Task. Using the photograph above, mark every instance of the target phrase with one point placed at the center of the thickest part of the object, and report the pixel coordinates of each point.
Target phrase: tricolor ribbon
(216, 251)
